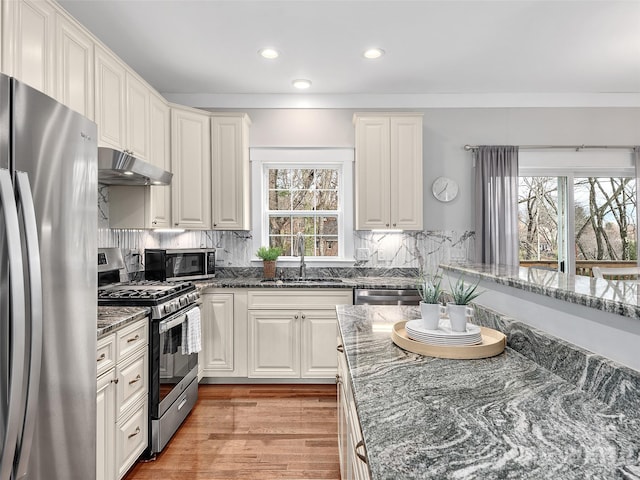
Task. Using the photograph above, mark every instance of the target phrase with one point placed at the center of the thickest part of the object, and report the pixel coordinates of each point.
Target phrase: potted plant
(461, 295)
(431, 294)
(269, 255)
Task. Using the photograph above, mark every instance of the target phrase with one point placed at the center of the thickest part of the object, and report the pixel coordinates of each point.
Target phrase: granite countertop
(495, 418)
(328, 282)
(113, 318)
(613, 296)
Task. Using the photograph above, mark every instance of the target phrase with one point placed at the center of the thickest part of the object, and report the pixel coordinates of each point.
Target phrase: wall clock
(445, 189)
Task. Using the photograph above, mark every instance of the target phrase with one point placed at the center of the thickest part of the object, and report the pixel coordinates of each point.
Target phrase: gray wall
(446, 131)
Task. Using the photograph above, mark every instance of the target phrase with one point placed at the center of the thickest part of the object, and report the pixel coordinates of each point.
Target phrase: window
(304, 191)
(575, 214)
(306, 201)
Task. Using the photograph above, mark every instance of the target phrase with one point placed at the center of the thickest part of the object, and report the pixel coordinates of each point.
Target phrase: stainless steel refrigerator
(48, 291)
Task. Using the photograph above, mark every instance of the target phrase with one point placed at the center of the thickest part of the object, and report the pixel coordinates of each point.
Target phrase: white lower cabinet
(274, 343)
(292, 332)
(106, 419)
(224, 334)
(353, 459)
(122, 400)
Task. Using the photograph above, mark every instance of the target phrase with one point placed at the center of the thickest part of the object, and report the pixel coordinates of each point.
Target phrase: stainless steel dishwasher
(385, 296)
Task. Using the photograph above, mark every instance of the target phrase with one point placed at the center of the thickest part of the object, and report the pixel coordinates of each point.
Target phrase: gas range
(164, 298)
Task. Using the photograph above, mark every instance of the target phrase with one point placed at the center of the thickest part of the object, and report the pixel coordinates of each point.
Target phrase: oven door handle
(169, 323)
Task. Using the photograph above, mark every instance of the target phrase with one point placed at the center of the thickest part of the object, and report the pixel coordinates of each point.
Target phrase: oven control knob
(183, 301)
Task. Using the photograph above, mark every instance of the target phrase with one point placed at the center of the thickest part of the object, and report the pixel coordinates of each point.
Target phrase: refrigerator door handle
(17, 324)
(26, 207)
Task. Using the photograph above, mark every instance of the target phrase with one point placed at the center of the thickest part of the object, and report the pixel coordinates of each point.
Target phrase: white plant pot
(458, 315)
(431, 313)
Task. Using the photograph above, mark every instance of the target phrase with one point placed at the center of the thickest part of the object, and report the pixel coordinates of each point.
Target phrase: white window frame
(566, 166)
(341, 159)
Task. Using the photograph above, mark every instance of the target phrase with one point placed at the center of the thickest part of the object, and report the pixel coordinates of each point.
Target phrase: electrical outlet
(382, 256)
(362, 254)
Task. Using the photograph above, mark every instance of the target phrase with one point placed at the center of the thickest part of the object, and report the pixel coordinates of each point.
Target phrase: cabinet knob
(340, 348)
(295, 316)
(394, 224)
(101, 357)
(303, 316)
(131, 435)
(386, 224)
(215, 224)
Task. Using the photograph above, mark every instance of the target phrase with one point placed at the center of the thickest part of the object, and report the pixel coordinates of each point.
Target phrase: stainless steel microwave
(179, 264)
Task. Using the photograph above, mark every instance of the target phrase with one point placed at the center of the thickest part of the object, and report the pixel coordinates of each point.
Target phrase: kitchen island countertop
(495, 418)
(113, 318)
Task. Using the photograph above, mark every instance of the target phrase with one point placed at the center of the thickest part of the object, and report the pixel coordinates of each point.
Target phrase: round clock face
(445, 189)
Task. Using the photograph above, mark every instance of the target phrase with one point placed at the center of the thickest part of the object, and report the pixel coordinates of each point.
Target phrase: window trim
(318, 157)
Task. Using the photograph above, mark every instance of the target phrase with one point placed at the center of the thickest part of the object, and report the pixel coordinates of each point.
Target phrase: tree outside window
(304, 200)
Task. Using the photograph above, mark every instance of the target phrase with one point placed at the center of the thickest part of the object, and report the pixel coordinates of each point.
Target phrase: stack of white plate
(443, 336)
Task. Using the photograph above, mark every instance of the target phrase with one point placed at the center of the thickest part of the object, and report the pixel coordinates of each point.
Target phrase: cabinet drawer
(299, 298)
(106, 354)
(131, 338)
(132, 382)
(131, 438)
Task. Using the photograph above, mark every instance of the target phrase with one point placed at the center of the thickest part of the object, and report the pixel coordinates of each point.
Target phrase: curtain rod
(577, 148)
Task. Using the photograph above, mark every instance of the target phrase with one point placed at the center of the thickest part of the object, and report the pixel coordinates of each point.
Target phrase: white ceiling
(208, 48)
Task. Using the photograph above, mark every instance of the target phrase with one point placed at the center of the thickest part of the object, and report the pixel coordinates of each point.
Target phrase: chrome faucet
(300, 247)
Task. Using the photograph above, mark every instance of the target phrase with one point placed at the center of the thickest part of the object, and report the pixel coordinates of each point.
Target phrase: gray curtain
(636, 161)
(496, 205)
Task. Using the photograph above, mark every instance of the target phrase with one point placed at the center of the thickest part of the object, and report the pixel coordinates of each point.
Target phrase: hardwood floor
(250, 432)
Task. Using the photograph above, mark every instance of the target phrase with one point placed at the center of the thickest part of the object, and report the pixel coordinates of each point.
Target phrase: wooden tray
(493, 343)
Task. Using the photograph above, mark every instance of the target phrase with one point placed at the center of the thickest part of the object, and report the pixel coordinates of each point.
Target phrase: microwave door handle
(25, 204)
(16, 323)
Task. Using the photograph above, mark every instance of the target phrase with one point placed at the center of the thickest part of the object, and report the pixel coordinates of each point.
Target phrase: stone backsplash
(412, 250)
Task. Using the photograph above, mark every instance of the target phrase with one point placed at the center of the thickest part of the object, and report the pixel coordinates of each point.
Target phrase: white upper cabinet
(191, 168)
(110, 78)
(230, 172)
(137, 117)
(74, 66)
(160, 156)
(388, 179)
(28, 41)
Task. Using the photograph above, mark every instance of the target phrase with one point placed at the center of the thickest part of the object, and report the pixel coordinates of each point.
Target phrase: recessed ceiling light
(127, 172)
(301, 83)
(373, 53)
(269, 53)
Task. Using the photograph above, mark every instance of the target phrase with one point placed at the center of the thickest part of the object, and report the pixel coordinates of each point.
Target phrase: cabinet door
(274, 343)
(137, 117)
(406, 172)
(318, 348)
(372, 173)
(191, 167)
(110, 99)
(230, 173)
(217, 357)
(74, 67)
(160, 156)
(106, 426)
(32, 32)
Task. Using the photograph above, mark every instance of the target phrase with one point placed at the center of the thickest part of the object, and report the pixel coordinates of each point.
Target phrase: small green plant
(463, 294)
(269, 254)
(429, 288)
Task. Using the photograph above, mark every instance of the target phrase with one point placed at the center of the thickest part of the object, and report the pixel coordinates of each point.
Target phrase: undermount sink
(301, 280)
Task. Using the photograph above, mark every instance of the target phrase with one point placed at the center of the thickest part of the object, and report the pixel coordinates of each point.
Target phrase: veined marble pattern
(423, 250)
(495, 418)
(612, 296)
(611, 383)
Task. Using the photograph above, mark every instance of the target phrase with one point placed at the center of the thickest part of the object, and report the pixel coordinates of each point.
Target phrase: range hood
(121, 168)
